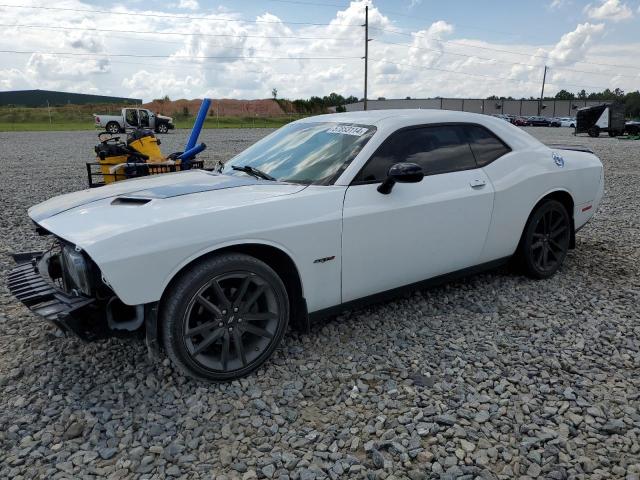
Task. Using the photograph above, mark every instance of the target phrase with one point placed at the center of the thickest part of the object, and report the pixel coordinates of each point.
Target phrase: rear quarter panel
(522, 178)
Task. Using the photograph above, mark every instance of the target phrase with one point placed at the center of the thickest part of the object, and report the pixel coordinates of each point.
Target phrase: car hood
(164, 117)
(155, 187)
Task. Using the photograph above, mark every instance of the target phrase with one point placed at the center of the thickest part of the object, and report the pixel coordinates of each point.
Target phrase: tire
(546, 235)
(162, 128)
(594, 132)
(200, 328)
(112, 127)
(572, 125)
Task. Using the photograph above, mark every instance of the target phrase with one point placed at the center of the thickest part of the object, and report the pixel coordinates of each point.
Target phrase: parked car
(632, 127)
(539, 122)
(324, 214)
(501, 116)
(568, 122)
(521, 121)
(134, 118)
(601, 118)
(555, 122)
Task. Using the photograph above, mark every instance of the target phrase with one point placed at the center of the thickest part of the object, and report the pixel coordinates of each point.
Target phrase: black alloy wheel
(546, 239)
(225, 317)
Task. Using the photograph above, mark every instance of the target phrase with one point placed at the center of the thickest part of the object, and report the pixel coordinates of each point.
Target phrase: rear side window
(485, 145)
(439, 149)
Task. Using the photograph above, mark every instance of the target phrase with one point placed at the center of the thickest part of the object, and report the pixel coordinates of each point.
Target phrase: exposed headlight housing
(76, 271)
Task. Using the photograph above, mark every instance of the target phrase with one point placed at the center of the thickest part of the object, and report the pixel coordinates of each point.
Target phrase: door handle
(477, 183)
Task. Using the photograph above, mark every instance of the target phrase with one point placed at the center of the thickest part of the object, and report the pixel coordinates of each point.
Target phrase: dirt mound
(223, 107)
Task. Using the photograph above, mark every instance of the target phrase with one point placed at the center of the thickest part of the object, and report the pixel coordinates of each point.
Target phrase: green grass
(42, 126)
(79, 117)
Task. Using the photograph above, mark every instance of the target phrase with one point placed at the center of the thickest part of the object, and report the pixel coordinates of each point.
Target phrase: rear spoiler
(575, 148)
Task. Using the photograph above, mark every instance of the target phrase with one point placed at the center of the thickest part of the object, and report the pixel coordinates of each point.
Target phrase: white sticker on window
(348, 130)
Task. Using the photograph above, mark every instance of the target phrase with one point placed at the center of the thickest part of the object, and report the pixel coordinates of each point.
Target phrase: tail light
(97, 119)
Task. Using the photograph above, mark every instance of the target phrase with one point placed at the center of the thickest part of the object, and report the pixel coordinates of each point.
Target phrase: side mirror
(402, 172)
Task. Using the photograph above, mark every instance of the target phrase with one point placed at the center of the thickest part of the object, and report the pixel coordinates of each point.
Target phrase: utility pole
(544, 79)
(366, 50)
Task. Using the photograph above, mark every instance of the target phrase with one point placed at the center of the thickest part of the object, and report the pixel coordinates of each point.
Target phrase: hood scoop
(130, 201)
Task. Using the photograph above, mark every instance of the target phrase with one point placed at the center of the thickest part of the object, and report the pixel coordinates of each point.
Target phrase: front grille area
(39, 295)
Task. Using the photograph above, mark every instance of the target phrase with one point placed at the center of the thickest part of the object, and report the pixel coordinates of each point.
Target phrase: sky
(245, 48)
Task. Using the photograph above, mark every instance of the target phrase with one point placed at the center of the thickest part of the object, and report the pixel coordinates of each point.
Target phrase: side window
(485, 145)
(144, 118)
(131, 116)
(439, 149)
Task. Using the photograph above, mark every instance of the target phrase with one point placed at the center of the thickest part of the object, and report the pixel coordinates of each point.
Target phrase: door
(419, 230)
(144, 118)
(131, 117)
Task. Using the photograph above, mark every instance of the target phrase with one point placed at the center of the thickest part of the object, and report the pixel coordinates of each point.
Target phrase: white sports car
(321, 215)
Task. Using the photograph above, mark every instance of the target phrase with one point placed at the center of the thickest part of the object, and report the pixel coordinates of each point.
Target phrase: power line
(318, 4)
(446, 52)
(203, 57)
(152, 32)
(164, 66)
(387, 13)
(156, 32)
(463, 44)
(178, 17)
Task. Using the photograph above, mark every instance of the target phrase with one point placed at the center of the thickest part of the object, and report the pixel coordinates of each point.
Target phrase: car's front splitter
(71, 314)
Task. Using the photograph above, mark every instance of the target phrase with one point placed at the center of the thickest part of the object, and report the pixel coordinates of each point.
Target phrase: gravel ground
(496, 376)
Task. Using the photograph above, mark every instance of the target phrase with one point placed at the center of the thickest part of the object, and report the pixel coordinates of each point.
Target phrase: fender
(220, 246)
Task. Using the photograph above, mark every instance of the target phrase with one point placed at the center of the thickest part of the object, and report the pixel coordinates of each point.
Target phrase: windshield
(309, 153)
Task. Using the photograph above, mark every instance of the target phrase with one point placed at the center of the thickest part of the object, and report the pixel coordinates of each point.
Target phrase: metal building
(550, 108)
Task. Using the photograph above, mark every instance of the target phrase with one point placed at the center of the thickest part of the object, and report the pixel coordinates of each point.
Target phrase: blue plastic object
(189, 154)
(197, 126)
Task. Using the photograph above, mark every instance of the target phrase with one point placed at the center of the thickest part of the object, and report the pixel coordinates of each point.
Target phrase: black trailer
(601, 118)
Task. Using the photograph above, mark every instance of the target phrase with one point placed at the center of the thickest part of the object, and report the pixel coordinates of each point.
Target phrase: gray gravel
(497, 376)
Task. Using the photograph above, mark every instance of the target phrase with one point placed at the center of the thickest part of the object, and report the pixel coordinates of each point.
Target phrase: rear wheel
(113, 127)
(224, 317)
(594, 132)
(546, 239)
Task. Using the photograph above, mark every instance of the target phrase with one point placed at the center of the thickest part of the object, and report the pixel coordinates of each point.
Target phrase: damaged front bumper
(30, 283)
(87, 317)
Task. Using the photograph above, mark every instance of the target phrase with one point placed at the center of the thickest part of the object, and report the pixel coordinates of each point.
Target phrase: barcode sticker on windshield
(348, 130)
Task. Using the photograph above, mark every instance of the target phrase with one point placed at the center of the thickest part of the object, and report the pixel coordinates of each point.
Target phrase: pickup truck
(132, 118)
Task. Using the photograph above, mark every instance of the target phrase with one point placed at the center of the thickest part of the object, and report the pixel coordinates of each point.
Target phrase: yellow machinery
(139, 156)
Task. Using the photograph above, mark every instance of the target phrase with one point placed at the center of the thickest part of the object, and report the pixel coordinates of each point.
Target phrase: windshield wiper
(254, 171)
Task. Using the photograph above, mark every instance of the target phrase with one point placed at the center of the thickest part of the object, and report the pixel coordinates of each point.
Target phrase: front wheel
(224, 317)
(546, 239)
(163, 128)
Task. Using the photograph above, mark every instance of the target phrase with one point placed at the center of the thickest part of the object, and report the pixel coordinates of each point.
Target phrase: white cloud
(573, 46)
(417, 68)
(556, 4)
(612, 10)
(189, 4)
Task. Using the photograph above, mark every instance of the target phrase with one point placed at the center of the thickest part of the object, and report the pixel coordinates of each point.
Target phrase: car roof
(408, 115)
(390, 120)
